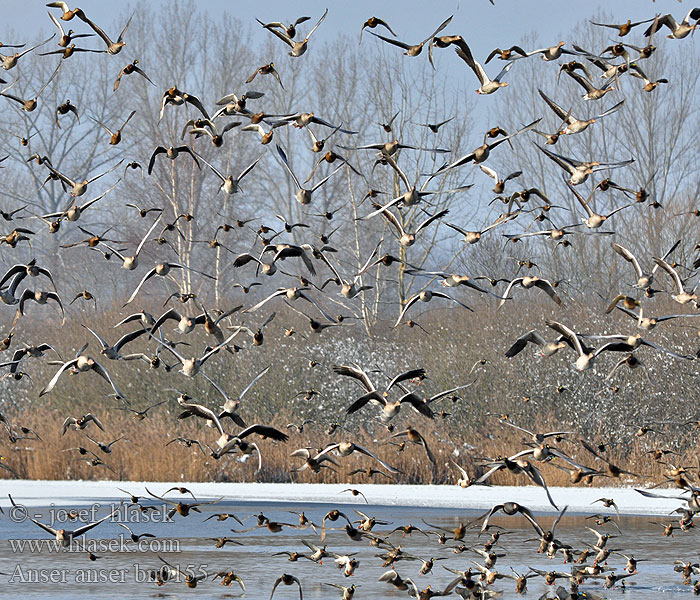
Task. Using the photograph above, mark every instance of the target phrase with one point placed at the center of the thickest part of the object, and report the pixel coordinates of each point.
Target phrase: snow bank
(579, 500)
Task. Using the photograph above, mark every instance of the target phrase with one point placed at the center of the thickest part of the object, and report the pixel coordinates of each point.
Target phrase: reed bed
(532, 392)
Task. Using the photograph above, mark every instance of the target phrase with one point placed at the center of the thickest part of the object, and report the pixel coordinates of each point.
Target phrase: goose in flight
(191, 366)
(8, 62)
(113, 352)
(407, 238)
(531, 281)
(593, 92)
(303, 195)
(487, 85)
(30, 104)
(426, 296)
(81, 364)
(548, 348)
(64, 536)
(131, 262)
(517, 466)
(624, 28)
(574, 125)
(644, 280)
(162, 269)
(112, 47)
(347, 448)
(680, 295)
(472, 237)
(229, 183)
(649, 323)
(586, 355)
(415, 50)
(483, 152)
(593, 220)
(577, 170)
(78, 188)
(412, 196)
(21, 271)
(678, 30)
(298, 48)
(551, 52)
(389, 409)
(73, 212)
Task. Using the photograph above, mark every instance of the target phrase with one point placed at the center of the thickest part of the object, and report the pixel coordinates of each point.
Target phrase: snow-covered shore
(579, 500)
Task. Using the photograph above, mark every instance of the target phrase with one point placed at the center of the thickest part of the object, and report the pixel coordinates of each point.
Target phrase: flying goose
(407, 238)
(574, 125)
(298, 48)
(488, 86)
(78, 188)
(579, 171)
(644, 280)
(73, 212)
(81, 364)
(30, 104)
(128, 70)
(681, 296)
(649, 323)
(162, 269)
(551, 53)
(191, 366)
(112, 352)
(21, 271)
(529, 281)
(229, 183)
(483, 152)
(112, 47)
(415, 50)
(678, 30)
(426, 296)
(64, 536)
(389, 409)
(592, 92)
(586, 355)
(8, 62)
(303, 195)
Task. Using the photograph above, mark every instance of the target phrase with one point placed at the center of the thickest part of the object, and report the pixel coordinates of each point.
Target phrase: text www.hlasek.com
(119, 544)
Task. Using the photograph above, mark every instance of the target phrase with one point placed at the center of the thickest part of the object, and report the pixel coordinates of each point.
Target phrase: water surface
(188, 542)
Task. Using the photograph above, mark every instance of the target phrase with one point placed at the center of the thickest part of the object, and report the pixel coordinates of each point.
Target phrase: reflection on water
(122, 570)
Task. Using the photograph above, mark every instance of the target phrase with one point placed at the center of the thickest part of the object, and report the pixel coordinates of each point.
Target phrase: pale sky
(483, 26)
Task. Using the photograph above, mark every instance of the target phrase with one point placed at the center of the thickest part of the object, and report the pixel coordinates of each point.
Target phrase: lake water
(122, 572)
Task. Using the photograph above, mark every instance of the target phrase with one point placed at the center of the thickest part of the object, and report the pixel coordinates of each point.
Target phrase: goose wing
(55, 378)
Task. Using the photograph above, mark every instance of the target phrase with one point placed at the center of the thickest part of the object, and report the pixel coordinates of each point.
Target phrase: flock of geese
(320, 281)
(413, 550)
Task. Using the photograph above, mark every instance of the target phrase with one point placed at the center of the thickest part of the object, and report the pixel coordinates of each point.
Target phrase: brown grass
(145, 457)
(539, 394)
